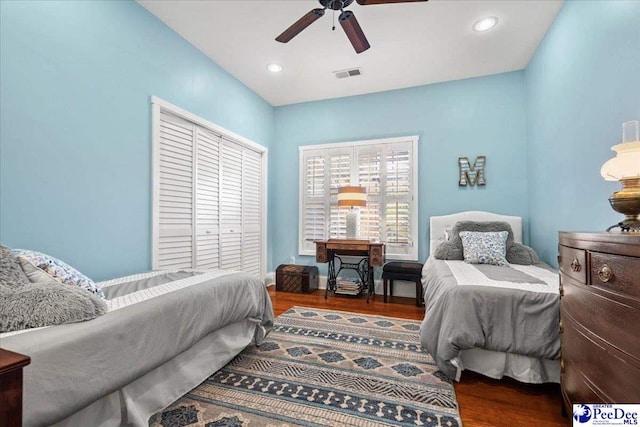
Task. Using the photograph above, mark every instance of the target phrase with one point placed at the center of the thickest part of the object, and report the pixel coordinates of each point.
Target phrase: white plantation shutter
(208, 196)
(231, 207)
(175, 187)
(339, 176)
(388, 171)
(207, 202)
(314, 201)
(369, 177)
(397, 198)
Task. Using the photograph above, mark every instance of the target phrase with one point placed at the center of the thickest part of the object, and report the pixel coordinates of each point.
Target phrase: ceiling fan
(347, 20)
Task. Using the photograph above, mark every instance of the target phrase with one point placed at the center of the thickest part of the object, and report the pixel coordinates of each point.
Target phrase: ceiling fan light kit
(347, 20)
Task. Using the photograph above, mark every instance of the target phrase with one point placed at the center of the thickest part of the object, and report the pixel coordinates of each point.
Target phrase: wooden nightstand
(11, 365)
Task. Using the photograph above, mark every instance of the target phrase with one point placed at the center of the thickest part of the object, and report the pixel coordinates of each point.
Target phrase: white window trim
(412, 139)
(158, 104)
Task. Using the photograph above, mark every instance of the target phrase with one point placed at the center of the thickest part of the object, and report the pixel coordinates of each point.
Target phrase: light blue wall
(581, 85)
(481, 116)
(75, 128)
(76, 77)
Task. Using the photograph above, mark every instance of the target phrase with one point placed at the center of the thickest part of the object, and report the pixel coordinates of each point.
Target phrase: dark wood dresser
(11, 365)
(600, 317)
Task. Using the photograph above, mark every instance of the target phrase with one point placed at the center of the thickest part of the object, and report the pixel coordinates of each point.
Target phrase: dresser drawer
(592, 373)
(575, 385)
(605, 318)
(573, 263)
(616, 273)
(348, 246)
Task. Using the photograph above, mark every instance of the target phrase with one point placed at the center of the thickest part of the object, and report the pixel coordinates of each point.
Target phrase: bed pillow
(34, 305)
(523, 255)
(59, 270)
(484, 247)
(34, 274)
(448, 250)
(11, 274)
(452, 249)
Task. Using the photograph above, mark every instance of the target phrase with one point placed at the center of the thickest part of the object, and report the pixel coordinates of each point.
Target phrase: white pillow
(59, 270)
(34, 274)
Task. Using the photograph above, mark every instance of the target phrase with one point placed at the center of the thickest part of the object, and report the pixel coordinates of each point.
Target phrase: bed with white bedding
(163, 334)
(495, 320)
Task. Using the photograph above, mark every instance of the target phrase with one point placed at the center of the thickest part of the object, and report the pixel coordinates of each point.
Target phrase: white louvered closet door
(175, 193)
(207, 200)
(251, 211)
(208, 196)
(231, 206)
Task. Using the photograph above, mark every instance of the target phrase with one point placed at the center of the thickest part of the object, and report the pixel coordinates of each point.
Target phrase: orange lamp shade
(352, 196)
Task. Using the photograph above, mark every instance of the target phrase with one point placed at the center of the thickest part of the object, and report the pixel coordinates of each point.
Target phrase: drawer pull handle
(575, 265)
(606, 273)
(562, 366)
(561, 327)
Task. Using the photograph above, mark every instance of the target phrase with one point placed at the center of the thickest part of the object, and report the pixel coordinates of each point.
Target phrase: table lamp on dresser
(625, 167)
(352, 196)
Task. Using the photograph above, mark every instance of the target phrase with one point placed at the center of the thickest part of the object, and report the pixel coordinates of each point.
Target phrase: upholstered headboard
(438, 224)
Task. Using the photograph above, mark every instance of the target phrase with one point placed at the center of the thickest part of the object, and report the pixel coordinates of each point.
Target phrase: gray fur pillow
(11, 273)
(523, 255)
(482, 226)
(452, 249)
(447, 250)
(516, 252)
(46, 304)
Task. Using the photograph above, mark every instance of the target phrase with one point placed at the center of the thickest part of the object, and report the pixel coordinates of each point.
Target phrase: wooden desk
(11, 365)
(371, 254)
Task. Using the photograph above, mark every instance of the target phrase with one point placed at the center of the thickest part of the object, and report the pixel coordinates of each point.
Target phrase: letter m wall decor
(472, 175)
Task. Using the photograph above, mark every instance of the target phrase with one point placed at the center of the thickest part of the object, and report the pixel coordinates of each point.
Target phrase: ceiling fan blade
(300, 25)
(366, 2)
(354, 32)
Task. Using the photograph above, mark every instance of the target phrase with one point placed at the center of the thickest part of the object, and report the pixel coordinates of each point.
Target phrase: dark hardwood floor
(483, 401)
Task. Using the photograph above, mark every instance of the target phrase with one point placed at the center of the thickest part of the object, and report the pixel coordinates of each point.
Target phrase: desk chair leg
(390, 287)
(384, 290)
(418, 293)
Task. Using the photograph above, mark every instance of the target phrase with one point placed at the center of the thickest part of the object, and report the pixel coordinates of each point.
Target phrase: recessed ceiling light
(274, 68)
(485, 24)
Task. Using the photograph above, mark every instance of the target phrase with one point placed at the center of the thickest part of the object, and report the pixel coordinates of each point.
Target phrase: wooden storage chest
(296, 278)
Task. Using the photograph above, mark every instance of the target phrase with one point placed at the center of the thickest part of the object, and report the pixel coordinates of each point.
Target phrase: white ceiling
(411, 43)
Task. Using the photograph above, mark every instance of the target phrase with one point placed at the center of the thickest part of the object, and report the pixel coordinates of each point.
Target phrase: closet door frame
(158, 105)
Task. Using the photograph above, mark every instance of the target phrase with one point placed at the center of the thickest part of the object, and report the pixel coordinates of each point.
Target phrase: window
(387, 168)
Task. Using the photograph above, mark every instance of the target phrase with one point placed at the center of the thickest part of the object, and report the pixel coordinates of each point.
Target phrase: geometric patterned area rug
(324, 368)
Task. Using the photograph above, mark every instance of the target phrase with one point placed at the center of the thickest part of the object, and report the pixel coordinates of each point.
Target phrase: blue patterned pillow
(484, 247)
(60, 271)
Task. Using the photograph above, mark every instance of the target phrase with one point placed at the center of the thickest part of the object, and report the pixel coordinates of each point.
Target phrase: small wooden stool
(403, 270)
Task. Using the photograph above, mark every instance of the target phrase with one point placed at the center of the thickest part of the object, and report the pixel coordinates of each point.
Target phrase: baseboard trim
(401, 288)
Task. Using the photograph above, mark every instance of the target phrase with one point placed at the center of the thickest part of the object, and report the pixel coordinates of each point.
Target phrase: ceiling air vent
(343, 74)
